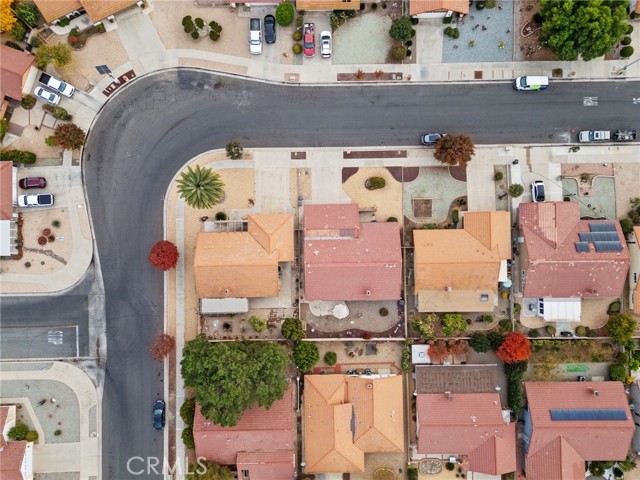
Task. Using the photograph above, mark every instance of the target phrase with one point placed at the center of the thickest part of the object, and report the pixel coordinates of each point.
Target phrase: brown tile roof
(53, 9)
(13, 65)
(327, 5)
(467, 424)
(456, 378)
(6, 190)
(101, 9)
(555, 268)
(591, 439)
(426, 6)
(333, 403)
(636, 292)
(237, 265)
(258, 430)
(267, 465)
(346, 260)
(11, 458)
(458, 265)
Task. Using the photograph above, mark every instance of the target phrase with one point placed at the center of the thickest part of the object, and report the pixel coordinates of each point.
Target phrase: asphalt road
(147, 131)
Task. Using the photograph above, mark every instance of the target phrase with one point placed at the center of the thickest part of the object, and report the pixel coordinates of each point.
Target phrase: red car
(309, 40)
(32, 182)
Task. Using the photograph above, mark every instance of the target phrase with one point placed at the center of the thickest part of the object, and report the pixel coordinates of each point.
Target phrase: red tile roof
(258, 429)
(467, 424)
(11, 458)
(4, 413)
(266, 465)
(590, 439)
(555, 269)
(13, 66)
(6, 190)
(344, 260)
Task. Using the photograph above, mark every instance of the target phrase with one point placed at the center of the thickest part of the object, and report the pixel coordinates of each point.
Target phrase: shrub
(392, 219)
(399, 52)
(299, 21)
(257, 323)
(4, 127)
(480, 4)
(374, 183)
(614, 307)
(13, 45)
(412, 472)
(189, 28)
(626, 52)
(617, 372)
(234, 150)
(187, 438)
(188, 410)
(408, 43)
(425, 325)
(401, 29)
(28, 102)
(57, 433)
(330, 358)
(28, 13)
(517, 308)
(551, 330)
(487, 318)
(18, 156)
(284, 14)
(69, 136)
(626, 41)
(627, 226)
(490, 3)
(629, 29)
(195, 35)
(31, 436)
(199, 22)
(305, 355)
(479, 342)
(405, 361)
(534, 333)
(19, 432)
(495, 339)
(18, 31)
(455, 216)
(383, 312)
(164, 255)
(374, 6)
(215, 27)
(297, 48)
(581, 331)
(498, 176)
(60, 113)
(455, 33)
(186, 20)
(215, 36)
(516, 190)
(450, 466)
(50, 141)
(292, 329)
(453, 323)
(297, 36)
(221, 216)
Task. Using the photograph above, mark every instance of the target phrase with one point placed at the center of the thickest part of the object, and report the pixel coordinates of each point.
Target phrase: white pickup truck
(57, 85)
(255, 36)
(588, 136)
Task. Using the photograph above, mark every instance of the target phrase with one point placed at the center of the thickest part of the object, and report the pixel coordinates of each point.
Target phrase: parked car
(564, 333)
(537, 191)
(32, 182)
(46, 96)
(270, 29)
(159, 414)
(325, 44)
(57, 85)
(431, 138)
(589, 136)
(309, 40)
(255, 36)
(35, 200)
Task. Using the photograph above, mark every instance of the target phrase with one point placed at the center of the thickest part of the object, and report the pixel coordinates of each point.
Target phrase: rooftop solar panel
(602, 227)
(598, 236)
(608, 246)
(582, 247)
(588, 414)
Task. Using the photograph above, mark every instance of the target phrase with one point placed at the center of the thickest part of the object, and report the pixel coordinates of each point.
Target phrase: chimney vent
(448, 394)
(226, 291)
(596, 393)
(368, 292)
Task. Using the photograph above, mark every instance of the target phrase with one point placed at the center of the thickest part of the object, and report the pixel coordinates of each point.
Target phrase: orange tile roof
(11, 458)
(101, 9)
(591, 439)
(463, 260)
(6, 190)
(333, 403)
(53, 9)
(426, 6)
(237, 265)
(331, 219)
(467, 424)
(13, 66)
(267, 465)
(558, 460)
(327, 5)
(554, 268)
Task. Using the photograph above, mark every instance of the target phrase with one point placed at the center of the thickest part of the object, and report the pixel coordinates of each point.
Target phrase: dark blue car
(158, 414)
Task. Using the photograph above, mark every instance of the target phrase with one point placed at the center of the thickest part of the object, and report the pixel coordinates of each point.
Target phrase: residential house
(16, 458)
(460, 269)
(346, 417)
(348, 260)
(327, 5)
(568, 423)
(468, 428)
(16, 75)
(261, 445)
(634, 271)
(244, 264)
(96, 10)
(8, 199)
(437, 8)
(565, 259)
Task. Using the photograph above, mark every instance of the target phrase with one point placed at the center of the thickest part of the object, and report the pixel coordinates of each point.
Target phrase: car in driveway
(159, 408)
(309, 40)
(537, 191)
(325, 44)
(46, 96)
(255, 36)
(270, 29)
(57, 85)
(431, 138)
(32, 182)
(35, 200)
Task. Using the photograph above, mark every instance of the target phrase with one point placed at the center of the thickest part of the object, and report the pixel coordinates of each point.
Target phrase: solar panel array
(603, 235)
(598, 236)
(602, 227)
(582, 247)
(588, 414)
(608, 246)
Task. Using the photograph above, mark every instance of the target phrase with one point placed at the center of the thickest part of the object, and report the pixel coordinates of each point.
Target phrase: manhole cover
(430, 467)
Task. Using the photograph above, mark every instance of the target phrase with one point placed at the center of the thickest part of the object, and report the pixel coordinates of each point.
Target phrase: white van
(531, 83)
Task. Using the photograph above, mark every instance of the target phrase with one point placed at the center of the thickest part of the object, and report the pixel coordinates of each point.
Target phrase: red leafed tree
(438, 351)
(515, 348)
(459, 347)
(162, 346)
(164, 255)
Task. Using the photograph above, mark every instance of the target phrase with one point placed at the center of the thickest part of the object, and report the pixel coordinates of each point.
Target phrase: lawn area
(571, 351)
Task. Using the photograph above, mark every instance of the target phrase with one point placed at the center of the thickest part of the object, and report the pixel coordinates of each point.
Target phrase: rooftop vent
(368, 292)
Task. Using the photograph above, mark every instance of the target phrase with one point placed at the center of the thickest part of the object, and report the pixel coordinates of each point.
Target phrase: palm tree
(200, 188)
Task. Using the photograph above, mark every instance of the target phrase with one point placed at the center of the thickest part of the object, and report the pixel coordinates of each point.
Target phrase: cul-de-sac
(319, 239)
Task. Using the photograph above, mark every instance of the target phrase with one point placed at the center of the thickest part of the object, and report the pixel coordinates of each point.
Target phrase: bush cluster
(284, 14)
(406, 356)
(340, 17)
(399, 52)
(297, 48)
(374, 183)
(28, 13)
(452, 32)
(626, 52)
(18, 156)
(330, 358)
(515, 372)
(58, 112)
(257, 323)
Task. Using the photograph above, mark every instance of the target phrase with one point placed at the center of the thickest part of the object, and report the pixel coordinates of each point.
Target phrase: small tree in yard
(330, 358)
(257, 323)
(620, 328)
(401, 29)
(188, 410)
(305, 355)
(515, 348)
(455, 150)
(480, 342)
(200, 187)
(459, 347)
(234, 149)
(162, 346)
(453, 323)
(292, 329)
(284, 14)
(425, 326)
(69, 136)
(438, 351)
(59, 54)
(164, 255)
(516, 190)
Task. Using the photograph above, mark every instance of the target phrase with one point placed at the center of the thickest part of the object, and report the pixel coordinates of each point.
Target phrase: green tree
(188, 410)
(480, 342)
(292, 329)
(200, 188)
(18, 31)
(401, 29)
(234, 149)
(59, 54)
(230, 377)
(19, 432)
(454, 150)
(425, 325)
(69, 136)
(453, 323)
(617, 372)
(582, 28)
(495, 339)
(257, 323)
(28, 13)
(627, 226)
(516, 190)
(206, 470)
(330, 358)
(305, 355)
(284, 14)
(620, 328)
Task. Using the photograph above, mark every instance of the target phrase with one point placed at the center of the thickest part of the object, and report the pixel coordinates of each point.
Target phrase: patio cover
(562, 309)
(215, 306)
